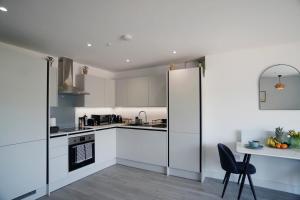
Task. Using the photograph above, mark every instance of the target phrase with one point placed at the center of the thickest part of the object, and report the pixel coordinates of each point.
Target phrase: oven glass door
(81, 154)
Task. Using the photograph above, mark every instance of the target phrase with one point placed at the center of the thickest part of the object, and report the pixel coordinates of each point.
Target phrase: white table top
(268, 151)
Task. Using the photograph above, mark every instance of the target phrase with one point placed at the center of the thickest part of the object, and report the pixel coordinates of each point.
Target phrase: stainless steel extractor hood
(65, 78)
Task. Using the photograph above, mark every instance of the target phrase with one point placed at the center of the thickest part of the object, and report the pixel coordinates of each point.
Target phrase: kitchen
(137, 138)
(110, 110)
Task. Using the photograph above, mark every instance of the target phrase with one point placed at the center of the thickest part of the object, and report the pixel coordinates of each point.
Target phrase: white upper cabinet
(138, 92)
(102, 91)
(53, 86)
(141, 92)
(157, 91)
(110, 93)
(96, 87)
(121, 93)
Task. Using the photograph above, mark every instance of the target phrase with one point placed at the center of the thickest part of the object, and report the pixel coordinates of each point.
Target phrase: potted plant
(294, 139)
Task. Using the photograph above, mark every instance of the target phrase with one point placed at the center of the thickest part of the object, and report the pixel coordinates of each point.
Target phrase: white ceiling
(191, 27)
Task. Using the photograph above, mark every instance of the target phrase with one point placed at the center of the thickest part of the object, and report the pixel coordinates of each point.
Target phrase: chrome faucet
(145, 115)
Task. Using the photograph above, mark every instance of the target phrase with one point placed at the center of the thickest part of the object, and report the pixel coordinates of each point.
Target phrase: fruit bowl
(274, 143)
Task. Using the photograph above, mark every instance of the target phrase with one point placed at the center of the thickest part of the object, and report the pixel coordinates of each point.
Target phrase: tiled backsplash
(68, 117)
(65, 116)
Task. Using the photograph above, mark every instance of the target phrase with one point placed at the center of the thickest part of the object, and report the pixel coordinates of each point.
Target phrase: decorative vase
(295, 142)
(85, 70)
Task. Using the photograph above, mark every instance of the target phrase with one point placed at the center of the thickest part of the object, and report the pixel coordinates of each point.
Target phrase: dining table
(265, 151)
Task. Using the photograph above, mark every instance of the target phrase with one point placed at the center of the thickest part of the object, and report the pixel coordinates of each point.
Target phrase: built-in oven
(81, 151)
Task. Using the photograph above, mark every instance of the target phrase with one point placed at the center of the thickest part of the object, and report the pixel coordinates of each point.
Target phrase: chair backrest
(227, 159)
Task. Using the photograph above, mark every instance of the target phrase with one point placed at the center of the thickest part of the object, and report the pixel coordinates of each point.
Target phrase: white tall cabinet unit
(23, 123)
(184, 122)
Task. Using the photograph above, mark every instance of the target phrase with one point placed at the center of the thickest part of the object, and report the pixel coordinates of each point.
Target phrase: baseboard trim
(140, 165)
(184, 174)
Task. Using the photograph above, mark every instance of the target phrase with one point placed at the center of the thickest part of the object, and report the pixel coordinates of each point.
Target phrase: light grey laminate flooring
(125, 183)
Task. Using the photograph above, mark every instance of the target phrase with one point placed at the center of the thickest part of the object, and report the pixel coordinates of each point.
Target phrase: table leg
(244, 162)
(248, 156)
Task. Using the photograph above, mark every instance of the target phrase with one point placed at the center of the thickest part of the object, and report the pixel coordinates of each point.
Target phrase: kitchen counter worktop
(102, 127)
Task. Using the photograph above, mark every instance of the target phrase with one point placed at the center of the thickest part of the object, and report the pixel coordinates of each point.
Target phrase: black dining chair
(229, 164)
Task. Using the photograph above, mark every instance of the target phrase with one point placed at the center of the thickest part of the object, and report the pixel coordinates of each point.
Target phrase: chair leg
(242, 185)
(226, 183)
(239, 179)
(225, 177)
(251, 186)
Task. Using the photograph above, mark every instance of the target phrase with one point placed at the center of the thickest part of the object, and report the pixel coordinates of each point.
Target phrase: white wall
(287, 99)
(230, 105)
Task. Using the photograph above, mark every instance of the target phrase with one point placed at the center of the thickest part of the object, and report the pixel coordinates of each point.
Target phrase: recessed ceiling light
(174, 52)
(126, 37)
(108, 44)
(89, 44)
(3, 9)
(127, 60)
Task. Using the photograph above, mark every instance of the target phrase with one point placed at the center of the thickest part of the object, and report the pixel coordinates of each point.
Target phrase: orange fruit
(284, 146)
(278, 145)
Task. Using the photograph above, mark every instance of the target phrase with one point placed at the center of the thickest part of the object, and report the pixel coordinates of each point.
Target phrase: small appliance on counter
(81, 122)
(53, 127)
(91, 122)
(119, 119)
(113, 118)
(101, 119)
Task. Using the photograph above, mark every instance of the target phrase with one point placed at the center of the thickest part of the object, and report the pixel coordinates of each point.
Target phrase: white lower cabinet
(23, 169)
(144, 146)
(185, 151)
(105, 156)
(58, 168)
(58, 162)
(105, 145)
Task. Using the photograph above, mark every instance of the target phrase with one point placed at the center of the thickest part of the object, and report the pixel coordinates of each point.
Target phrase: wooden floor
(121, 182)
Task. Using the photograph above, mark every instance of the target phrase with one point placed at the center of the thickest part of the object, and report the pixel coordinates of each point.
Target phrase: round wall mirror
(279, 88)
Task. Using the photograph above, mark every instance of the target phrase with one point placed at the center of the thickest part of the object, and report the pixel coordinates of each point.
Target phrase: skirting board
(140, 165)
(79, 174)
(184, 174)
(274, 185)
